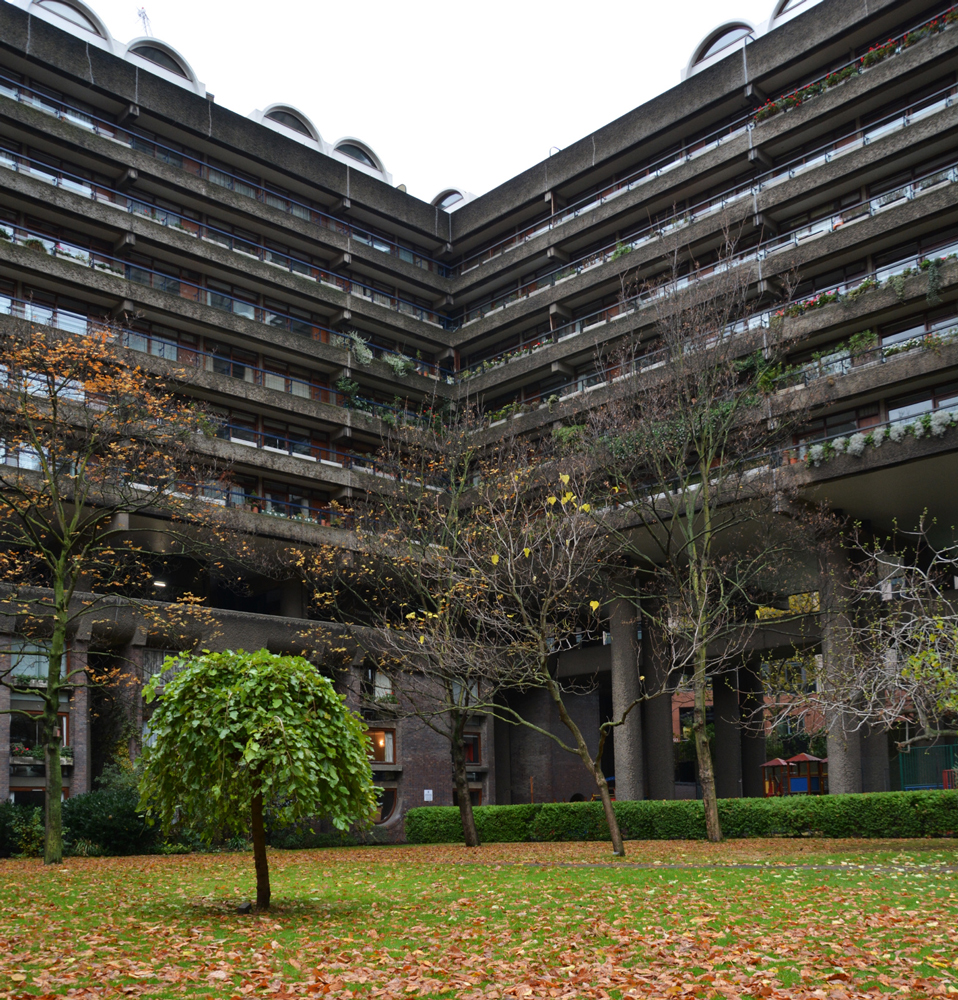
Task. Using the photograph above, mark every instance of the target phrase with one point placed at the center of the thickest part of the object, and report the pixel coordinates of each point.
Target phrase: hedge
(876, 814)
(107, 821)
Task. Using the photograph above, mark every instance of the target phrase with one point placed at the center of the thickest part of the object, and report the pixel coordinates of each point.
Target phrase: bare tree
(688, 447)
(894, 624)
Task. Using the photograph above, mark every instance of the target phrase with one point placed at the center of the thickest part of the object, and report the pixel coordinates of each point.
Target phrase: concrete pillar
(844, 739)
(79, 719)
(502, 761)
(874, 751)
(4, 729)
(751, 698)
(728, 738)
(626, 688)
(291, 599)
(657, 720)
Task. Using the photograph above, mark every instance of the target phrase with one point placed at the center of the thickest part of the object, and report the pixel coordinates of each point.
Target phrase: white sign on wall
(427, 795)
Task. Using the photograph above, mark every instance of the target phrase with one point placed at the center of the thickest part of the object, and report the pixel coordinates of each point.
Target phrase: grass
(830, 919)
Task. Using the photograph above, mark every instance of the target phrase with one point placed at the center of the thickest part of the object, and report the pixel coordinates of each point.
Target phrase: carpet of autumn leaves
(777, 919)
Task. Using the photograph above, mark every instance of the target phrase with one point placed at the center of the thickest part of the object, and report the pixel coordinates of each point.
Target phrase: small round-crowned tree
(236, 733)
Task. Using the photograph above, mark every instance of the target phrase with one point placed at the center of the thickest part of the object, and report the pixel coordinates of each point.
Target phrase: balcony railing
(834, 363)
(251, 189)
(670, 161)
(172, 220)
(768, 248)
(646, 234)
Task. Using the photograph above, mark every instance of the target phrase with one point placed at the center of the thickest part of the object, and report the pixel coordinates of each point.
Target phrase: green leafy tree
(236, 733)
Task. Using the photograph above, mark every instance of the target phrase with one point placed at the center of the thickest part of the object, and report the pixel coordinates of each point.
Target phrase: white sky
(448, 94)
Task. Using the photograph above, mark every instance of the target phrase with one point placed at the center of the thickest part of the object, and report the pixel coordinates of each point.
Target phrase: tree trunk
(595, 768)
(258, 831)
(618, 848)
(49, 723)
(469, 832)
(703, 754)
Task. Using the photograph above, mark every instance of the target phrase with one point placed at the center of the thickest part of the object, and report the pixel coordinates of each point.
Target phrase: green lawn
(811, 918)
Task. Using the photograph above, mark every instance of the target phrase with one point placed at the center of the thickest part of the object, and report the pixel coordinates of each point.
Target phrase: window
(383, 749)
(29, 659)
(355, 152)
(25, 729)
(161, 58)
(945, 397)
(290, 121)
(69, 13)
(32, 796)
(448, 199)
(376, 685)
(472, 747)
(475, 796)
(724, 39)
(385, 805)
(153, 660)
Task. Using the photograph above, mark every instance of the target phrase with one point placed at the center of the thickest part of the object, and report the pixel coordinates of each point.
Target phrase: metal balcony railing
(251, 189)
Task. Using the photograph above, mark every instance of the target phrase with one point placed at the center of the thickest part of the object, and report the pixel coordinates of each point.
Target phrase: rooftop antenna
(145, 18)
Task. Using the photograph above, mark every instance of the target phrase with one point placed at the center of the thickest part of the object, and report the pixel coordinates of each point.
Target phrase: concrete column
(728, 738)
(502, 761)
(79, 719)
(291, 600)
(844, 740)
(626, 687)
(657, 720)
(751, 697)
(875, 770)
(4, 730)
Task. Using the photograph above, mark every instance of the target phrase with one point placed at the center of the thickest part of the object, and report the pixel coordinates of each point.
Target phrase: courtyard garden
(749, 918)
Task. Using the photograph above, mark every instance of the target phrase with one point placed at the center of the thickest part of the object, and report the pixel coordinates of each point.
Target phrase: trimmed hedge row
(876, 814)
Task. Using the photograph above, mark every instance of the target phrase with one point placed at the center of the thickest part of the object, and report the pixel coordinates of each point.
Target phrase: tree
(895, 638)
(409, 592)
(687, 448)
(98, 461)
(234, 734)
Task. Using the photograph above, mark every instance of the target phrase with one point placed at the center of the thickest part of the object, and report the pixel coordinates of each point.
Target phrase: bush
(8, 812)
(108, 819)
(877, 814)
(21, 831)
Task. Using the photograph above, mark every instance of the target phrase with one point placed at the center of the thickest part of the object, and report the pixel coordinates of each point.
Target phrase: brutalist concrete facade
(249, 250)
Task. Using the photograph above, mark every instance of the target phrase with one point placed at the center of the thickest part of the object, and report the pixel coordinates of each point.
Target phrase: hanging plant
(360, 349)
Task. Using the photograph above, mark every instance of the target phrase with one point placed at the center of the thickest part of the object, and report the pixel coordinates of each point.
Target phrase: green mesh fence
(926, 767)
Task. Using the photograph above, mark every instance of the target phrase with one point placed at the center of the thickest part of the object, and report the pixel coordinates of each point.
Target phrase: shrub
(28, 832)
(108, 819)
(877, 814)
(7, 814)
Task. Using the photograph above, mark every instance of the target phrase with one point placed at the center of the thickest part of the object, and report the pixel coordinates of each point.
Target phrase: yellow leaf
(564, 480)
(495, 560)
(412, 614)
(567, 497)
(585, 508)
(594, 605)
(551, 500)
(526, 552)
(422, 639)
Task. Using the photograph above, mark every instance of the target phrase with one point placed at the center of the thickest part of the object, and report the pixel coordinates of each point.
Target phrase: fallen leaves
(676, 919)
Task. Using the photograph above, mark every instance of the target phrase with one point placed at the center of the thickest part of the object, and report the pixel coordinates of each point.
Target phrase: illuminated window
(383, 749)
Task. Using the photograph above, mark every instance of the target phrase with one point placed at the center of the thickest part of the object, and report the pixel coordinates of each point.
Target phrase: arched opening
(356, 152)
(76, 14)
(162, 58)
(720, 40)
(448, 198)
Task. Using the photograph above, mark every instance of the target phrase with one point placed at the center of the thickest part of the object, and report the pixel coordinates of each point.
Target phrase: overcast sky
(448, 94)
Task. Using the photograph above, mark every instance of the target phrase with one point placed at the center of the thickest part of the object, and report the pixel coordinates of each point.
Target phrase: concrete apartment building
(250, 248)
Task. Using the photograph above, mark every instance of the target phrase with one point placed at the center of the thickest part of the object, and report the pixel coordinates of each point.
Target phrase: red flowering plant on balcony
(22, 750)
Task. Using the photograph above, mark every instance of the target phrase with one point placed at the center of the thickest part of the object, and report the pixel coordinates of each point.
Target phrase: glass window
(728, 37)
(385, 805)
(161, 58)
(450, 199)
(29, 659)
(69, 13)
(290, 121)
(383, 750)
(472, 746)
(354, 151)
